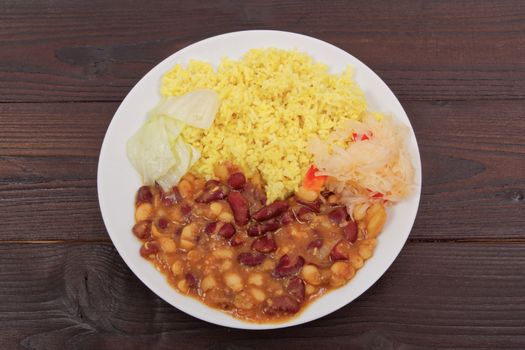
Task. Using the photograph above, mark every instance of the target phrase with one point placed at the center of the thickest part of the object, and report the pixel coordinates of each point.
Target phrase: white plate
(118, 181)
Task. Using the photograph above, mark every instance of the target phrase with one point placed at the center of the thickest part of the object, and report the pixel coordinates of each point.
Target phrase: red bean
(286, 267)
(283, 304)
(337, 253)
(264, 245)
(239, 206)
(237, 181)
(185, 209)
(338, 215)
(210, 228)
(227, 230)
(144, 195)
(214, 193)
(316, 243)
(168, 199)
(258, 229)
(287, 218)
(251, 259)
(211, 184)
(270, 211)
(315, 206)
(142, 229)
(305, 214)
(162, 223)
(149, 248)
(295, 288)
(350, 231)
(191, 280)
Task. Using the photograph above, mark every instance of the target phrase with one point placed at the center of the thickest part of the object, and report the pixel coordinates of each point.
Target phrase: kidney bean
(211, 184)
(237, 181)
(283, 304)
(210, 227)
(239, 206)
(142, 229)
(191, 280)
(251, 259)
(316, 243)
(295, 288)
(264, 245)
(148, 248)
(337, 253)
(168, 199)
(350, 231)
(315, 206)
(214, 193)
(286, 267)
(258, 229)
(144, 195)
(162, 223)
(287, 218)
(227, 230)
(305, 214)
(185, 209)
(337, 215)
(271, 210)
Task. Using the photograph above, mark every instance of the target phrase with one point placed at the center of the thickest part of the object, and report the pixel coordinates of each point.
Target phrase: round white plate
(118, 182)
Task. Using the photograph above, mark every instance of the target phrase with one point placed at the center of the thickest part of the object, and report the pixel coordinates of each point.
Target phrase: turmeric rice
(272, 103)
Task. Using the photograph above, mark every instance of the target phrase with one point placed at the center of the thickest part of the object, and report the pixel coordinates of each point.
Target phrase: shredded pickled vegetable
(366, 169)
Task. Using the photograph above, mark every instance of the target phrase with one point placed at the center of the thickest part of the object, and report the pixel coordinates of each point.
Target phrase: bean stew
(220, 242)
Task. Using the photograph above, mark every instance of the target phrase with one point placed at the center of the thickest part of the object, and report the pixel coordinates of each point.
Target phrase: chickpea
(226, 265)
(356, 260)
(341, 273)
(309, 289)
(188, 236)
(175, 214)
(143, 212)
(182, 285)
(168, 245)
(311, 275)
(306, 194)
(375, 218)
(233, 281)
(258, 294)
(208, 283)
(199, 184)
(216, 208)
(221, 171)
(194, 255)
(185, 188)
(223, 253)
(177, 268)
(256, 279)
(243, 301)
(225, 217)
(365, 251)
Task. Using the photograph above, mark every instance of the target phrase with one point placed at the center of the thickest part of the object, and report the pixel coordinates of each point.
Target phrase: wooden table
(458, 68)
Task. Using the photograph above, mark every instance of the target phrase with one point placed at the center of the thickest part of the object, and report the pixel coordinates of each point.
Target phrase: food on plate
(266, 182)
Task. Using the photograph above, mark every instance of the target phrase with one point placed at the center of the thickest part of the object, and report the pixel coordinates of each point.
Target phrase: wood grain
(473, 155)
(440, 296)
(96, 51)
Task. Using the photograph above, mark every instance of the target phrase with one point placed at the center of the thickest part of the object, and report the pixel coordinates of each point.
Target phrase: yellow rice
(272, 102)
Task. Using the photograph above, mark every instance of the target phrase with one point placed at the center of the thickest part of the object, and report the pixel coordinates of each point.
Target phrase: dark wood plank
(436, 295)
(97, 50)
(473, 164)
